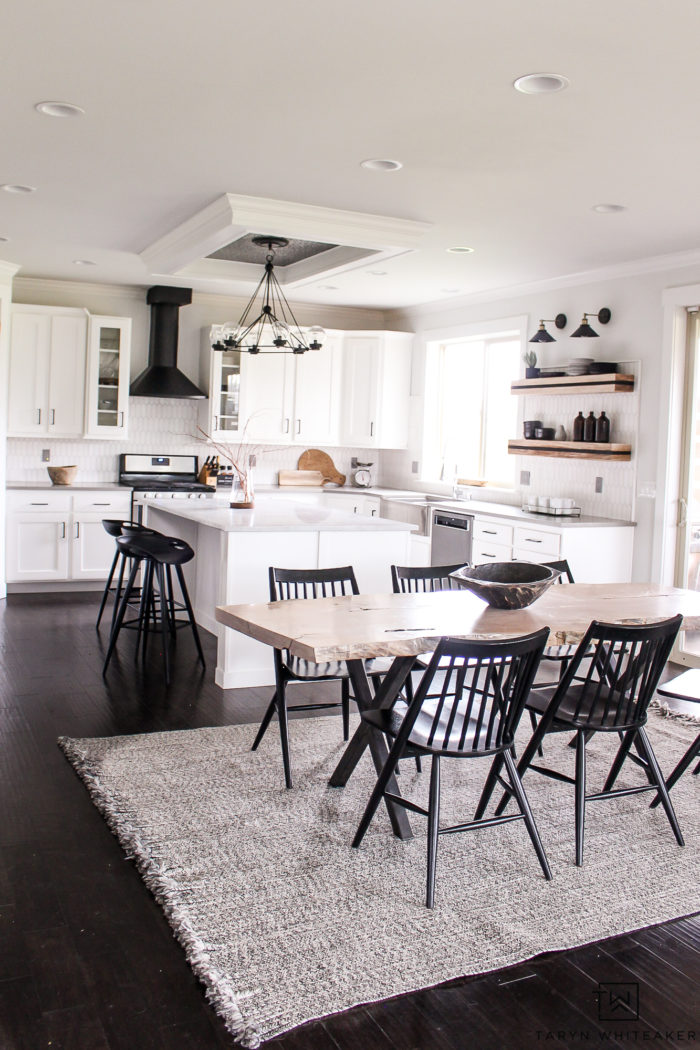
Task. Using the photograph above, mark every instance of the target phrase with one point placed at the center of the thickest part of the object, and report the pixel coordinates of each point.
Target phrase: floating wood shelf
(570, 449)
(612, 383)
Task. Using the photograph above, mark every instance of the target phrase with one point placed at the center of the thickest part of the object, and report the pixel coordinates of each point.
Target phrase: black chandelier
(274, 328)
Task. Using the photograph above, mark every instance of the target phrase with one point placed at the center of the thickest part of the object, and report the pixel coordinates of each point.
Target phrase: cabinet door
(109, 352)
(30, 343)
(267, 386)
(317, 395)
(92, 549)
(360, 371)
(66, 404)
(224, 407)
(37, 547)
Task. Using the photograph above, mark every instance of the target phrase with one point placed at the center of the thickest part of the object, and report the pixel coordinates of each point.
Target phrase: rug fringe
(679, 716)
(218, 990)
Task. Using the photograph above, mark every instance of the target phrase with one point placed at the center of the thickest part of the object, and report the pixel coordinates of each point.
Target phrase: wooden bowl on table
(507, 584)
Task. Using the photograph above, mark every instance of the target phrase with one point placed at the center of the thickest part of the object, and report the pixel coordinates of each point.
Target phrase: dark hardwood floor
(87, 960)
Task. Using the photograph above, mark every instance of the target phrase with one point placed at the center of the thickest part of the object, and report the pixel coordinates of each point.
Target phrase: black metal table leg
(364, 737)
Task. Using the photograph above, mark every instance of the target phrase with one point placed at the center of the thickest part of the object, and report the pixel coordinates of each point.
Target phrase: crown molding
(617, 271)
(232, 216)
(38, 287)
(8, 270)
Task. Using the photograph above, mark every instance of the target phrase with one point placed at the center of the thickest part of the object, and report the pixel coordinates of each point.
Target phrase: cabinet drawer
(540, 543)
(491, 532)
(485, 552)
(113, 504)
(38, 501)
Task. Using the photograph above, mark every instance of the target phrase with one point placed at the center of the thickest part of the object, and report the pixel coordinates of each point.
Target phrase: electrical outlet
(46, 455)
(599, 484)
(524, 477)
(414, 466)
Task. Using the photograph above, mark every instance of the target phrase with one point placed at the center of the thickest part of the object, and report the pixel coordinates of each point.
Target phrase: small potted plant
(530, 359)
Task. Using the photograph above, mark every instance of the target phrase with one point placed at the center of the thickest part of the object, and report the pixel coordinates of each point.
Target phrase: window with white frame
(470, 411)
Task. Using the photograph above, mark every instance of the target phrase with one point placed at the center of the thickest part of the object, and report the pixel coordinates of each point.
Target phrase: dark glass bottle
(589, 427)
(577, 432)
(602, 428)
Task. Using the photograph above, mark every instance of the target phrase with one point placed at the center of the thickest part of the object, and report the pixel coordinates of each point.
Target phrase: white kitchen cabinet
(58, 536)
(376, 388)
(47, 371)
(274, 398)
(108, 359)
(354, 502)
(595, 553)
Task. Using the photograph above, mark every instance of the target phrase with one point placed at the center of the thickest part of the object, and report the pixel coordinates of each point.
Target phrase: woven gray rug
(283, 922)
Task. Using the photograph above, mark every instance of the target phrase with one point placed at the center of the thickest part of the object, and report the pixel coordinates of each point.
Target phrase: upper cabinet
(69, 373)
(47, 372)
(274, 398)
(376, 388)
(108, 355)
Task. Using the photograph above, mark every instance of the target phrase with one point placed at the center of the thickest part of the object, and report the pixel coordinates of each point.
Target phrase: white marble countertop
(505, 510)
(272, 515)
(36, 486)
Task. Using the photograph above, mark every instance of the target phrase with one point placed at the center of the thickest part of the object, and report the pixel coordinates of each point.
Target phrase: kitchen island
(234, 549)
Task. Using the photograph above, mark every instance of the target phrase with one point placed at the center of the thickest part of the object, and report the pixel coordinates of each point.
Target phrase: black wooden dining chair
(286, 584)
(467, 705)
(610, 695)
(412, 579)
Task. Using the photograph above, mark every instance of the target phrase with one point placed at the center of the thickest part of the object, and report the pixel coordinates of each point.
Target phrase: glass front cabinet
(107, 403)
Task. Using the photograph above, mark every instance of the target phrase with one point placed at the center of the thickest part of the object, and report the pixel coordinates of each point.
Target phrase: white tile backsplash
(156, 425)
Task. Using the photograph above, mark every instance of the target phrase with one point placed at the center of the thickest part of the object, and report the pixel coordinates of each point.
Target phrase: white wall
(634, 334)
(7, 271)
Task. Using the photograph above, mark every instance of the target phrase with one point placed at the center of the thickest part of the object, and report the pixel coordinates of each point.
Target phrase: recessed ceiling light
(16, 187)
(608, 209)
(84, 262)
(4, 239)
(540, 83)
(379, 164)
(460, 249)
(59, 109)
(377, 273)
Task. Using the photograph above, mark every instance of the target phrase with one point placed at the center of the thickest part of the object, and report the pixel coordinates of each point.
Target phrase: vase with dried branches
(242, 457)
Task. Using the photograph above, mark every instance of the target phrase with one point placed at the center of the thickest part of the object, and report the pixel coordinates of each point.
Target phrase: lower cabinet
(353, 503)
(58, 536)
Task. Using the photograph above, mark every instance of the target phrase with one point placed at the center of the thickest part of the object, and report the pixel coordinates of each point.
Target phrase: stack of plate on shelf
(553, 370)
(601, 368)
(579, 366)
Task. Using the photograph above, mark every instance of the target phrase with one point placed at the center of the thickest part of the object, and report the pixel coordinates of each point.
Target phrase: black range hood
(161, 377)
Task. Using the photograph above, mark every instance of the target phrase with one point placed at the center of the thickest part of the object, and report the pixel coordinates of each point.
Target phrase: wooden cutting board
(310, 478)
(315, 459)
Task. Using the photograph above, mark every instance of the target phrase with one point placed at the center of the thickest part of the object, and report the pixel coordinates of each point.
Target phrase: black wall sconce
(584, 330)
(542, 335)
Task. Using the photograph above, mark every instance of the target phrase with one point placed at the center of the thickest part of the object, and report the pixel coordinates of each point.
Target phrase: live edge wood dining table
(366, 626)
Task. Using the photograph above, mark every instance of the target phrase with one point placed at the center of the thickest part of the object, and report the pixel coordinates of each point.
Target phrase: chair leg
(160, 572)
(345, 705)
(108, 584)
(524, 804)
(580, 793)
(120, 585)
(622, 753)
(171, 601)
(527, 757)
(692, 752)
(144, 608)
(490, 784)
(190, 613)
(533, 723)
(656, 773)
(120, 616)
(433, 829)
(284, 732)
(271, 708)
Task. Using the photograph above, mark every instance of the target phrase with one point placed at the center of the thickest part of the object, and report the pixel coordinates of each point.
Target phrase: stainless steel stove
(162, 477)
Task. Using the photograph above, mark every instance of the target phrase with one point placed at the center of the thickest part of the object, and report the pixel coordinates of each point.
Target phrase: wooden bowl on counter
(62, 475)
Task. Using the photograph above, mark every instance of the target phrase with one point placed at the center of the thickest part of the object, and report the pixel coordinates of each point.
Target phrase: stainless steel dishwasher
(451, 538)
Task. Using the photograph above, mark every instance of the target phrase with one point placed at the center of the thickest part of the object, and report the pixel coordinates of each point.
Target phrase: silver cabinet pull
(102, 504)
(298, 426)
(63, 534)
(529, 540)
(216, 422)
(77, 530)
(121, 419)
(38, 504)
(489, 532)
(371, 429)
(53, 416)
(485, 555)
(38, 415)
(286, 426)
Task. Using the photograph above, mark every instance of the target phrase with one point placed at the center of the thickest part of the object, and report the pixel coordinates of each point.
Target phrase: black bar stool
(115, 527)
(158, 554)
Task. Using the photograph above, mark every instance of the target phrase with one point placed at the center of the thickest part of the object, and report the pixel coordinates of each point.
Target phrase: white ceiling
(185, 102)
